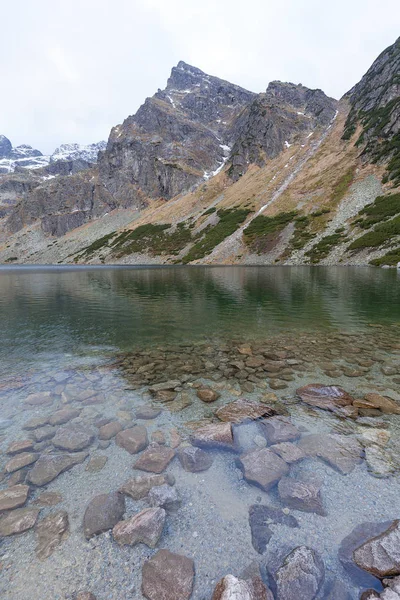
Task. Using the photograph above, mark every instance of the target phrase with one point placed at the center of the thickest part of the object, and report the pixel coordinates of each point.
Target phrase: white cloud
(70, 71)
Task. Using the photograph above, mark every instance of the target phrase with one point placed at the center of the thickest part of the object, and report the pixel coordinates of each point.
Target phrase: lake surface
(95, 340)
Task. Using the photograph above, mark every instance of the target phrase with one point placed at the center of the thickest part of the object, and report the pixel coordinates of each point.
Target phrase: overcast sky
(71, 70)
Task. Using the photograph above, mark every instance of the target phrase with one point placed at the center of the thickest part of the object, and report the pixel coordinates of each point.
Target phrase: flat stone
(245, 350)
(207, 394)
(110, 430)
(139, 487)
(96, 463)
(158, 437)
(358, 536)
(373, 436)
(182, 401)
(165, 395)
(232, 588)
(214, 435)
(341, 452)
(194, 460)
(165, 497)
(301, 576)
(102, 513)
(289, 452)
(49, 467)
(380, 463)
(327, 397)
(380, 555)
(40, 399)
(279, 429)
(260, 519)
(14, 497)
(18, 521)
(51, 531)
(263, 468)
(301, 495)
(44, 433)
(133, 440)
(277, 384)
(19, 446)
(242, 410)
(385, 404)
(155, 459)
(168, 576)
(60, 417)
(73, 437)
(147, 412)
(166, 385)
(143, 528)
(20, 461)
(36, 422)
(48, 499)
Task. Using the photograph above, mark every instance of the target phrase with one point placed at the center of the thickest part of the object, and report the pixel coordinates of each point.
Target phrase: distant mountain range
(206, 171)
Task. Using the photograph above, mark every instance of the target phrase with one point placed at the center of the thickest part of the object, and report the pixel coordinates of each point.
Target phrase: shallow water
(113, 332)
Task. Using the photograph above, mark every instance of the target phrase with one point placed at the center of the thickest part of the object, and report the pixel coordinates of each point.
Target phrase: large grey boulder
(301, 575)
(263, 468)
(380, 555)
(102, 513)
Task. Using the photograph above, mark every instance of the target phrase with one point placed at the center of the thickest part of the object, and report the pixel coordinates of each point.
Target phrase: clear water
(90, 328)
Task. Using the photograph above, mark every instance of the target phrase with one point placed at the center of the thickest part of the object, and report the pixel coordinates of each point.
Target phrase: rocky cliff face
(375, 106)
(275, 120)
(177, 137)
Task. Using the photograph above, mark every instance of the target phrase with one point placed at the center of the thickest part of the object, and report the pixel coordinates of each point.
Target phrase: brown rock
(277, 384)
(102, 513)
(385, 404)
(133, 440)
(147, 412)
(18, 521)
(207, 394)
(194, 459)
(214, 435)
(44, 433)
(165, 395)
(301, 495)
(20, 461)
(158, 437)
(243, 410)
(279, 429)
(49, 467)
(110, 430)
(60, 417)
(73, 437)
(231, 588)
(380, 555)
(20, 446)
(40, 399)
(13, 497)
(166, 385)
(263, 468)
(245, 350)
(51, 531)
(155, 459)
(96, 463)
(168, 576)
(289, 452)
(143, 528)
(36, 422)
(139, 487)
(327, 397)
(341, 452)
(48, 499)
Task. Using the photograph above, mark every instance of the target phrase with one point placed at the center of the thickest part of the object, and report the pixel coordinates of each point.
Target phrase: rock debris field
(246, 470)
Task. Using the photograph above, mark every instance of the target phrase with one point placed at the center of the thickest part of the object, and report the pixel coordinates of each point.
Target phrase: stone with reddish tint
(51, 531)
(143, 528)
(165, 497)
(48, 499)
(110, 430)
(139, 487)
(36, 422)
(168, 576)
(155, 459)
(380, 555)
(207, 394)
(60, 417)
(133, 440)
(18, 521)
(301, 495)
(327, 397)
(103, 513)
(48, 467)
(20, 446)
(279, 429)
(73, 438)
(40, 399)
(263, 468)
(289, 452)
(13, 497)
(242, 410)
(214, 435)
(20, 461)
(383, 403)
(232, 588)
(342, 452)
(194, 460)
(147, 412)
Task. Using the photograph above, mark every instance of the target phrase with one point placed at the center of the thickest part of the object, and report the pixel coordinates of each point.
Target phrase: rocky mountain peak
(5, 147)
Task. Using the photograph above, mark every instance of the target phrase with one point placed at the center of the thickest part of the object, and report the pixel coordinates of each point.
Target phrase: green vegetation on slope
(391, 259)
(382, 235)
(325, 245)
(343, 184)
(262, 231)
(213, 235)
(380, 210)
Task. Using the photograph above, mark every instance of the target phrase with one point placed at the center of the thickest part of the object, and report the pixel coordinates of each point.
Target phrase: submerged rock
(145, 527)
(231, 588)
(194, 460)
(14, 497)
(49, 467)
(102, 513)
(73, 438)
(327, 397)
(109, 430)
(380, 555)
(18, 521)
(133, 440)
(60, 417)
(20, 446)
(243, 410)
(379, 461)
(260, 519)
(289, 452)
(147, 412)
(301, 495)
(207, 394)
(168, 576)
(20, 461)
(279, 429)
(155, 459)
(96, 463)
(48, 499)
(263, 468)
(384, 403)
(214, 435)
(139, 487)
(164, 496)
(51, 531)
(341, 452)
(301, 576)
